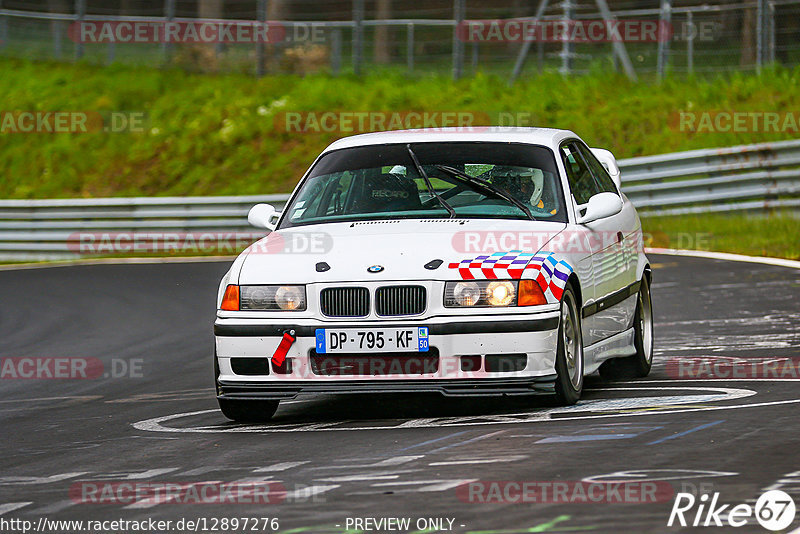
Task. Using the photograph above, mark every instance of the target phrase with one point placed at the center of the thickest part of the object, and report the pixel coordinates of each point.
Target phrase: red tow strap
(280, 353)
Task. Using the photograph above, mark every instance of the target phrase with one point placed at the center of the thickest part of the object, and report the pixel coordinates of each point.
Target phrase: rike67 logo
(774, 510)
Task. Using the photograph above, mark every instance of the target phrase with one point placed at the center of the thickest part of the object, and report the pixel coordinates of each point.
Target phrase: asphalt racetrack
(147, 415)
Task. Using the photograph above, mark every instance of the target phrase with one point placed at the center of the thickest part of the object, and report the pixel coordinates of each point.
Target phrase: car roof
(492, 134)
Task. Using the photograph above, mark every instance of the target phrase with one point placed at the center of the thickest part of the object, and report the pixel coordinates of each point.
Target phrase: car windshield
(383, 182)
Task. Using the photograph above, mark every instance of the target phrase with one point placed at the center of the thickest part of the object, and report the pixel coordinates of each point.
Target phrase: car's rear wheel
(569, 354)
(248, 411)
(638, 365)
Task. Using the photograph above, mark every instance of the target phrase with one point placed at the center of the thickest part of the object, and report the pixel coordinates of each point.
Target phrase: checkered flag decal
(551, 274)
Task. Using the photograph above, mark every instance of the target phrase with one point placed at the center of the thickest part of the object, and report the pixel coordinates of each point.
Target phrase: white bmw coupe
(497, 261)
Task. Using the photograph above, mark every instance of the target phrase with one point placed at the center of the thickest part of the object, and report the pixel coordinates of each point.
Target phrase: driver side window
(581, 181)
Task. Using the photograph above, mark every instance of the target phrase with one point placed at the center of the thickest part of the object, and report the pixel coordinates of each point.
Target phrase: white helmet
(514, 180)
(537, 177)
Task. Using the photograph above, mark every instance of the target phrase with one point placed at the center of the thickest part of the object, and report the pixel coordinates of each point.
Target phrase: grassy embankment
(222, 134)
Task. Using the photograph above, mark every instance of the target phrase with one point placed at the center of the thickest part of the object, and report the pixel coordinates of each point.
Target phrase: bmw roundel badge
(374, 268)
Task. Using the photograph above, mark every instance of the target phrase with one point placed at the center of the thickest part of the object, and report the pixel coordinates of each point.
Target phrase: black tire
(638, 365)
(248, 411)
(244, 411)
(569, 354)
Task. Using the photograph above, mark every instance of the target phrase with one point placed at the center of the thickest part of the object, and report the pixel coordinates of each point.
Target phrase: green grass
(216, 134)
(776, 235)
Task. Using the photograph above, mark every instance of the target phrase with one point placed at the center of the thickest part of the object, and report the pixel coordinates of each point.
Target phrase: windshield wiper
(455, 173)
(431, 190)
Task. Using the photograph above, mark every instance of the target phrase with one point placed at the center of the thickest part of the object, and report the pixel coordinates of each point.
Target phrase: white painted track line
(780, 262)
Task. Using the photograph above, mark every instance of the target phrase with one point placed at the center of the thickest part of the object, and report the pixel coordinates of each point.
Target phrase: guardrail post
(759, 34)
(336, 50)
(664, 20)
(771, 32)
(410, 47)
(57, 30)
(458, 45)
(80, 13)
(111, 52)
(261, 17)
(566, 45)
(358, 35)
(169, 14)
(690, 42)
(3, 28)
(540, 56)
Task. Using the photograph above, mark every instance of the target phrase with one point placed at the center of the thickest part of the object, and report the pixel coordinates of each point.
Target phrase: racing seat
(387, 192)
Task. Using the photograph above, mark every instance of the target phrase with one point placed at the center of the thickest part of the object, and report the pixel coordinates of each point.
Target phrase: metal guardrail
(58, 229)
(761, 176)
(750, 177)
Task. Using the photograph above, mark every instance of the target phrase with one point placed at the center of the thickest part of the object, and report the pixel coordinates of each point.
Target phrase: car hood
(395, 249)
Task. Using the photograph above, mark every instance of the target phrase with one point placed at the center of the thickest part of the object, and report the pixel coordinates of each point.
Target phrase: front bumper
(532, 338)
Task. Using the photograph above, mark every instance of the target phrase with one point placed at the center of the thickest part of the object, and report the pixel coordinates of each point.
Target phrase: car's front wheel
(244, 411)
(569, 355)
(248, 411)
(638, 365)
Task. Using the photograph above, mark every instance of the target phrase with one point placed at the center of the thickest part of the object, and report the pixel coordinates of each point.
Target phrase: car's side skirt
(616, 346)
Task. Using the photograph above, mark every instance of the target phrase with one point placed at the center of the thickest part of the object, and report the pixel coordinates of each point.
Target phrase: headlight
(493, 293)
(291, 298)
(480, 293)
(501, 293)
(288, 298)
(465, 294)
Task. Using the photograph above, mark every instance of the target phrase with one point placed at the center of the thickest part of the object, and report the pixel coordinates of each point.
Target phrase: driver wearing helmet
(523, 183)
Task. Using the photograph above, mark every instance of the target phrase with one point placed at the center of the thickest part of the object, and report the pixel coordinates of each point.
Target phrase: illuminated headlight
(288, 298)
(480, 293)
(501, 293)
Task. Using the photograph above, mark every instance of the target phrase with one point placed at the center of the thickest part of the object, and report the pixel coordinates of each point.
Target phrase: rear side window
(581, 181)
(604, 180)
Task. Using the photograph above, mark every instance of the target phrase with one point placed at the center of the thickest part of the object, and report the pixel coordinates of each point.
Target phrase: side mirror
(263, 216)
(608, 161)
(600, 206)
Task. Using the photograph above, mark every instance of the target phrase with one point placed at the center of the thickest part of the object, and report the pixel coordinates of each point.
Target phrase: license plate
(331, 340)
